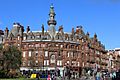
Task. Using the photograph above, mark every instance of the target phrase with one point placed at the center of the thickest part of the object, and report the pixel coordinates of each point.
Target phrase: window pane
(60, 63)
(47, 62)
(23, 54)
(29, 53)
(44, 62)
(46, 53)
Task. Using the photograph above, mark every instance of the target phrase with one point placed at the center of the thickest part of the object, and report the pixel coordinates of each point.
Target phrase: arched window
(52, 59)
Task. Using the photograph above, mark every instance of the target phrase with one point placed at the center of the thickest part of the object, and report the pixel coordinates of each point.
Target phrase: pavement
(82, 78)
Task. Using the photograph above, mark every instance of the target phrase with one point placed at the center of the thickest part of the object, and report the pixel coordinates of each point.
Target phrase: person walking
(49, 78)
(98, 76)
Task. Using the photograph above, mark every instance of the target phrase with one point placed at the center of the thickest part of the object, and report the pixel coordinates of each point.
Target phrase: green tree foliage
(1, 47)
(1, 61)
(11, 60)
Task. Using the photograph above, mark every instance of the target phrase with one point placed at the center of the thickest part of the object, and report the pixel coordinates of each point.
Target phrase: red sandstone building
(53, 49)
(1, 40)
(113, 59)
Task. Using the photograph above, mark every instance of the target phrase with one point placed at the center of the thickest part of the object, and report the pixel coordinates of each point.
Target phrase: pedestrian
(52, 76)
(37, 76)
(114, 76)
(49, 78)
(98, 76)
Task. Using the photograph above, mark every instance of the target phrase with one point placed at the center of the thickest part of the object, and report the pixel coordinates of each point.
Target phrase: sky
(96, 16)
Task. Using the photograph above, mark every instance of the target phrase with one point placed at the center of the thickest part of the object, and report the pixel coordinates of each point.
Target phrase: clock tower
(52, 23)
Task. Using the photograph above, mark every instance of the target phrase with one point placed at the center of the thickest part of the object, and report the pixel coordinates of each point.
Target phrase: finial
(6, 28)
(51, 16)
(73, 31)
(52, 8)
(28, 28)
(42, 25)
(88, 33)
(60, 28)
(42, 29)
(95, 35)
(52, 5)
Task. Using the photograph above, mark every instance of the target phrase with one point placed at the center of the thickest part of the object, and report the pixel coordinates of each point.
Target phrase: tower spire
(52, 22)
(52, 16)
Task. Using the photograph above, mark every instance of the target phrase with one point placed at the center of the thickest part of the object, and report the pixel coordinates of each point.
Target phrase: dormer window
(82, 40)
(18, 37)
(24, 38)
(58, 36)
(37, 37)
(32, 37)
(40, 36)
